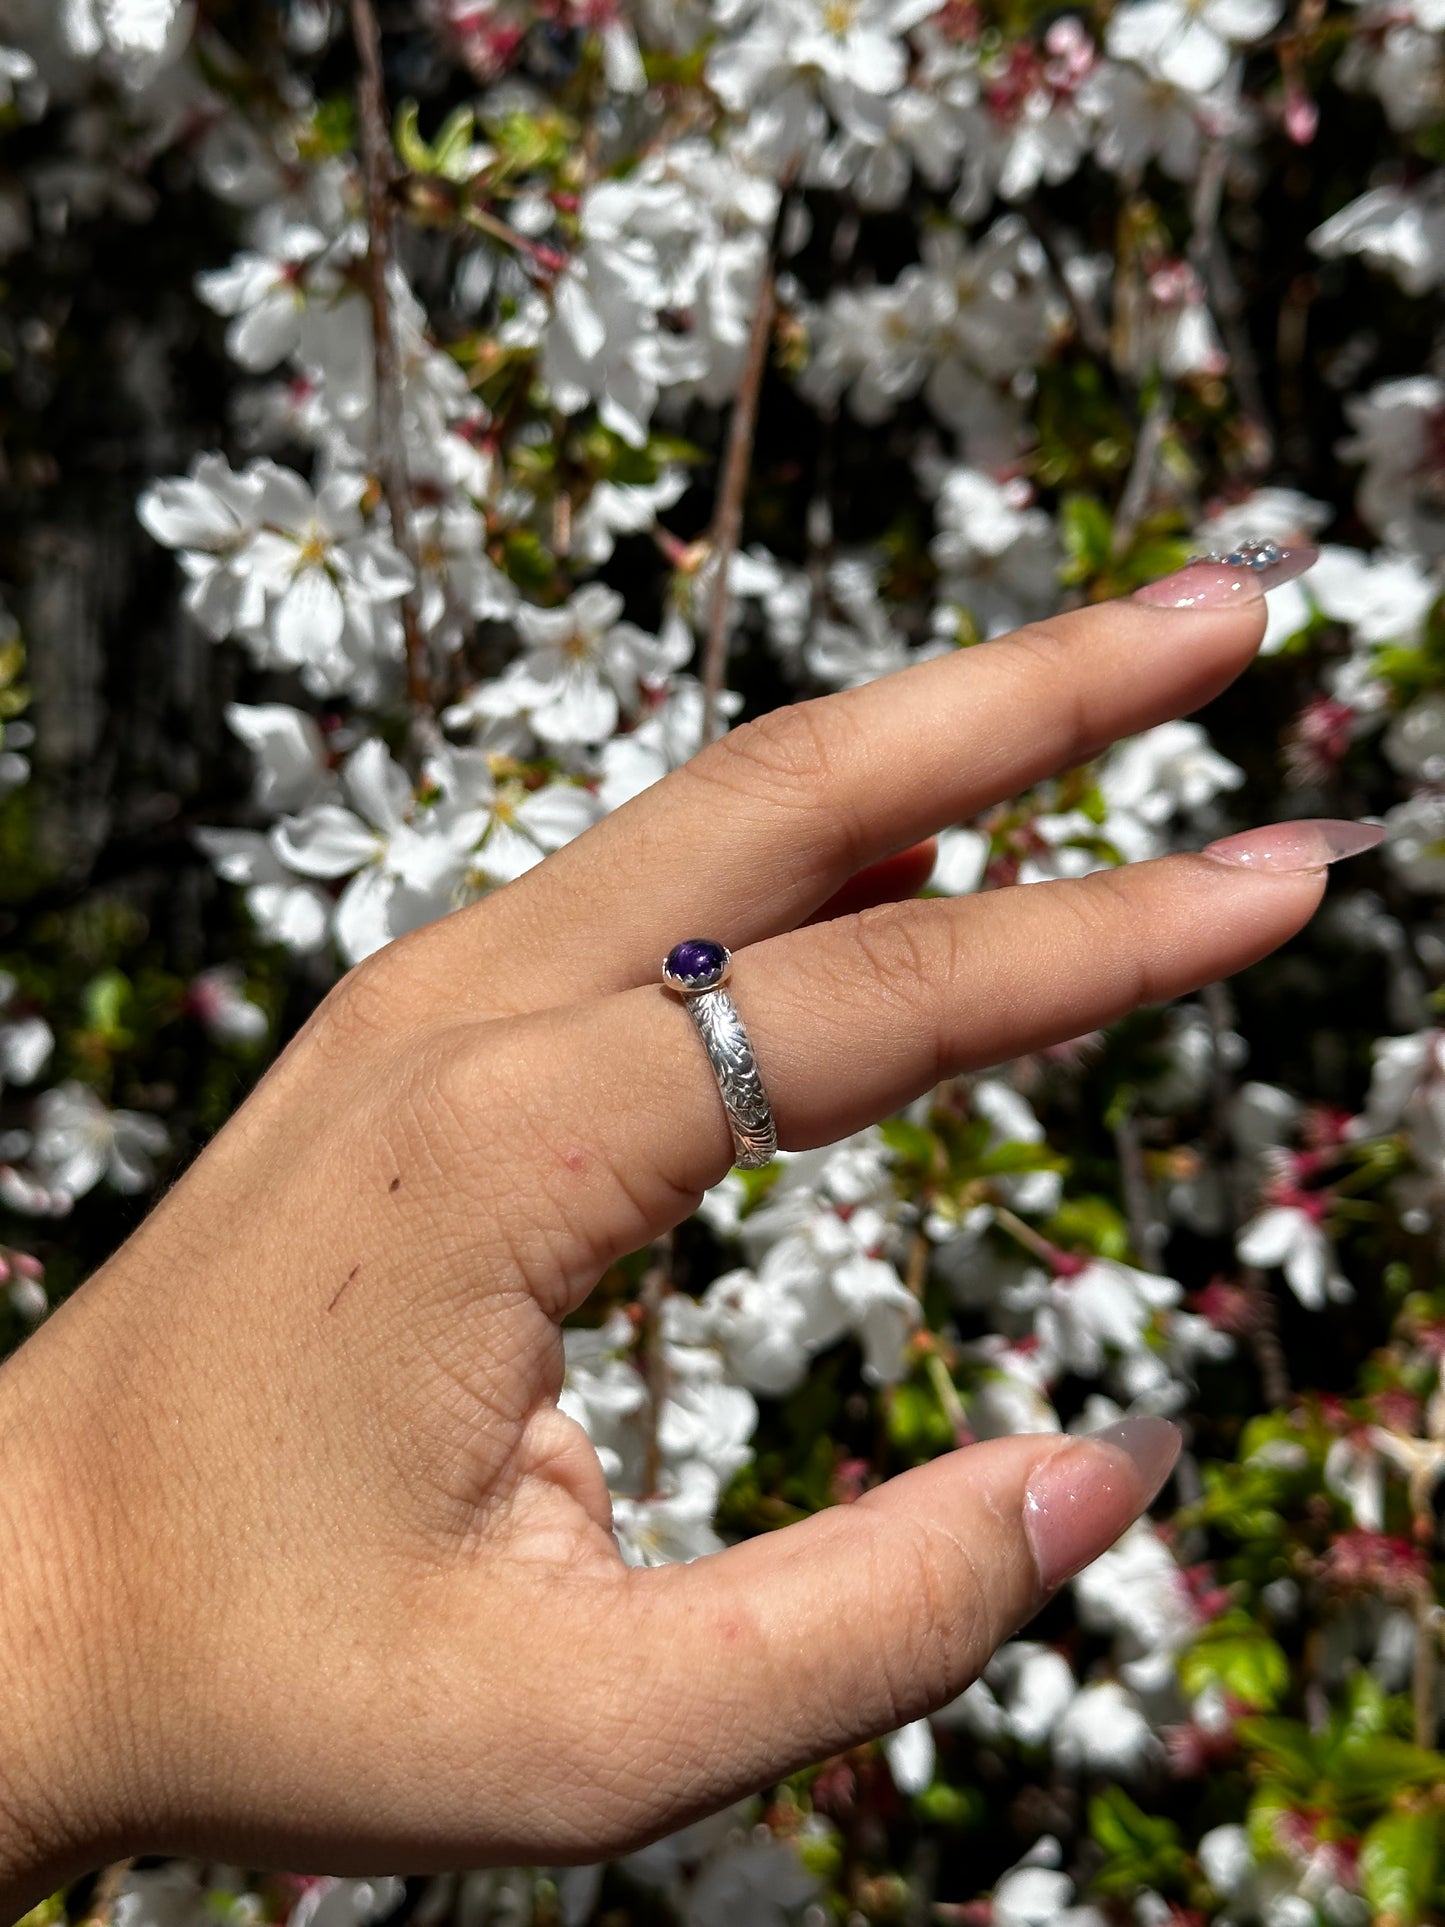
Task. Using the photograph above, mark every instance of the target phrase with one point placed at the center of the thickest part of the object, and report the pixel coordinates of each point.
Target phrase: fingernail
(1312, 843)
(1242, 575)
(1081, 1499)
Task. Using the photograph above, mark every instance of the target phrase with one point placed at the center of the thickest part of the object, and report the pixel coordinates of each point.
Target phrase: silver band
(722, 1031)
(697, 969)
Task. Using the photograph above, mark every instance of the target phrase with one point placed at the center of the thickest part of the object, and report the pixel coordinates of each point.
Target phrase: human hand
(302, 1565)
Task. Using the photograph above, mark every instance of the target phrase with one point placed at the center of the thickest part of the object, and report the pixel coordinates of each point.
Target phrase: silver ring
(697, 969)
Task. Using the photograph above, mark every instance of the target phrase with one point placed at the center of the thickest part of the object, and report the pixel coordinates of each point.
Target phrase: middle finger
(757, 831)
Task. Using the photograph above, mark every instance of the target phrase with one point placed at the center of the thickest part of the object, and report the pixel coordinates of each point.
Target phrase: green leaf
(104, 1002)
(1287, 1751)
(412, 149)
(332, 129)
(1087, 530)
(1244, 1661)
(1006, 1159)
(1144, 1849)
(911, 1142)
(452, 148)
(1399, 1865)
(1373, 1770)
(1091, 1222)
(528, 562)
(916, 1425)
(949, 1806)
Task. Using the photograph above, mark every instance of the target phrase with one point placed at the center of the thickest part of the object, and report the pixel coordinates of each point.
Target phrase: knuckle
(447, 1076)
(790, 757)
(934, 1624)
(362, 1009)
(1050, 665)
(909, 958)
(901, 950)
(1108, 922)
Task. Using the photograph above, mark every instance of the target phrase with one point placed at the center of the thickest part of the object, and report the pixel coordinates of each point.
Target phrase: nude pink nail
(1084, 1496)
(1221, 580)
(1312, 843)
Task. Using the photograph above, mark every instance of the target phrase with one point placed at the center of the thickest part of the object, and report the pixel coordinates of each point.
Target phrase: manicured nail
(1241, 575)
(1081, 1499)
(1312, 843)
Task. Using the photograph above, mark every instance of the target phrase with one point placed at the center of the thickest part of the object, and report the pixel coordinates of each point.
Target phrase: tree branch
(1145, 1231)
(378, 163)
(728, 518)
(656, 1284)
(1138, 494)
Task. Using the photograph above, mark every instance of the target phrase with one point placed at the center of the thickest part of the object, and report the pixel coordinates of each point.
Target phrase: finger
(757, 831)
(890, 881)
(617, 1108)
(795, 1645)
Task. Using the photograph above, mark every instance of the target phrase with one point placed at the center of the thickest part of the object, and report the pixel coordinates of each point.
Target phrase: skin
(301, 1565)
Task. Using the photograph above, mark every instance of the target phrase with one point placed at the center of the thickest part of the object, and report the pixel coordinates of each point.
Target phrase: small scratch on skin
(348, 1279)
(575, 1160)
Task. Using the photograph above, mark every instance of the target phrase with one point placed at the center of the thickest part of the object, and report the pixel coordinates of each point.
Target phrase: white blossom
(1189, 45)
(79, 1140)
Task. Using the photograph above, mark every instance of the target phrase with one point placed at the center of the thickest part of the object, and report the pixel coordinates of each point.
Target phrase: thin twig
(728, 519)
(1269, 1354)
(946, 1391)
(549, 260)
(656, 1283)
(1032, 1241)
(1093, 330)
(1425, 1686)
(1144, 1227)
(1205, 203)
(378, 161)
(1138, 493)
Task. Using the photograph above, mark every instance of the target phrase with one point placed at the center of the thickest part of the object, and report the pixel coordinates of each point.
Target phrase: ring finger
(622, 1121)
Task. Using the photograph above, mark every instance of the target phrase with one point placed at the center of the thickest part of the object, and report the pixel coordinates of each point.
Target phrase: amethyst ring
(697, 970)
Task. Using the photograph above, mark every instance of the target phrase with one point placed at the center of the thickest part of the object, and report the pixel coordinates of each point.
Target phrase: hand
(304, 1567)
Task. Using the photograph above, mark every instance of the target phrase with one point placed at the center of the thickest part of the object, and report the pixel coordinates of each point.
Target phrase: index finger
(757, 831)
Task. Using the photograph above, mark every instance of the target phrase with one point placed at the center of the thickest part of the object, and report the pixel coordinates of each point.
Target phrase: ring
(698, 969)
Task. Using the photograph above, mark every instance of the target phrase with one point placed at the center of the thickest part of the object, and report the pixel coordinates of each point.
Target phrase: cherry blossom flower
(265, 294)
(996, 548)
(1399, 229)
(1190, 45)
(1291, 1237)
(212, 517)
(78, 1141)
(218, 997)
(329, 580)
(580, 668)
(26, 1040)
(405, 862)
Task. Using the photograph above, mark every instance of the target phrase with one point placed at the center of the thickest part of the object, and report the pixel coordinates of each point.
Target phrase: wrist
(62, 1627)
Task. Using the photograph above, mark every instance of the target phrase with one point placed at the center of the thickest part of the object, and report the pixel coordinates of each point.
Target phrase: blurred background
(423, 423)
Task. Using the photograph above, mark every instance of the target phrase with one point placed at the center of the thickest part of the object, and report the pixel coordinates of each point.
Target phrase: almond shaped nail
(1081, 1499)
(1221, 581)
(1284, 849)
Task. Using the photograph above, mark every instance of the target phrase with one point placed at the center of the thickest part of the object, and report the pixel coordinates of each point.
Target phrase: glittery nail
(1225, 577)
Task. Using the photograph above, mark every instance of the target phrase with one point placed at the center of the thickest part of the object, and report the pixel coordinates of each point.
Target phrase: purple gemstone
(697, 963)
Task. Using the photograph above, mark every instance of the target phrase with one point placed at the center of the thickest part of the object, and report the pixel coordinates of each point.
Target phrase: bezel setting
(691, 975)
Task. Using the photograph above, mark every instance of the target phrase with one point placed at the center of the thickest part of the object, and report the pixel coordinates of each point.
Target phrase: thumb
(801, 1643)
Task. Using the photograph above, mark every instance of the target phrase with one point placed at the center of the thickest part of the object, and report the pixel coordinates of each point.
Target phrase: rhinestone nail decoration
(1257, 555)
